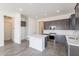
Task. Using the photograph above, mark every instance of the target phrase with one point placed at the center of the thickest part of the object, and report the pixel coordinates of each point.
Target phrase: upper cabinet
(74, 19)
(77, 10)
(77, 16)
(72, 22)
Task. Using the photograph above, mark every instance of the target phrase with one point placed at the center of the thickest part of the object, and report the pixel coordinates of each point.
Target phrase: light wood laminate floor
(12, 49)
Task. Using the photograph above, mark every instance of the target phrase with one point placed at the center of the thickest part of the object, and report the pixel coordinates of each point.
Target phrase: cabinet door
(72, 22)
(77, 16)
(74, 50)
(77, 10)
(60, 39)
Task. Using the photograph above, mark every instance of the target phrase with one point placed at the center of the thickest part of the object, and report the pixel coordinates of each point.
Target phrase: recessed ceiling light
(58, 11)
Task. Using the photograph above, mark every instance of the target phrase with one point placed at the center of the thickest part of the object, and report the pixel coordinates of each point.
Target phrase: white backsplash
(62, 32)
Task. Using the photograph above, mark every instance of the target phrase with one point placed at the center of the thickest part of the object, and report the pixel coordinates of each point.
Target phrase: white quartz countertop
(72, 41)
(61, 32)
(36, 36)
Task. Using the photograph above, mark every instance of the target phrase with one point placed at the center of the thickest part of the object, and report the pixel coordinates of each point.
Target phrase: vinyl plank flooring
(23, 49)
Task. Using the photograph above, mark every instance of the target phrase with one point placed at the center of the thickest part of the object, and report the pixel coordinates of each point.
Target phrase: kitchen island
(37, 41)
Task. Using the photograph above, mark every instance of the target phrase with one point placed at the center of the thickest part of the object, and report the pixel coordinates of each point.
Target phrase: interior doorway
(8, 34)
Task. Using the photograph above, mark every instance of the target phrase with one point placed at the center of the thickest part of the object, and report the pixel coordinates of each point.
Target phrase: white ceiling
(39, 10)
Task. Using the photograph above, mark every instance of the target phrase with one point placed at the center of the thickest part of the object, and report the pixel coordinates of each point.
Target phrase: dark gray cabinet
(77, 16)
(60, 39)
(72, 22)
(74, 50)
(74, 19)
(77, 10)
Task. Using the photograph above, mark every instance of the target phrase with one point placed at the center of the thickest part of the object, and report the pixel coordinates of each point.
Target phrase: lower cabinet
(60, 39)
(46, 39)
(73, 50)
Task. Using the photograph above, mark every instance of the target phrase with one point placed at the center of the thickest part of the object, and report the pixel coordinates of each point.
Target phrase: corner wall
(17, 28)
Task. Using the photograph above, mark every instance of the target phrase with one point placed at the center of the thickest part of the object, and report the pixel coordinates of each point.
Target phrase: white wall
(32, 26)
(1, 30)
(17, 28)
(23, 28)
(23, 33)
